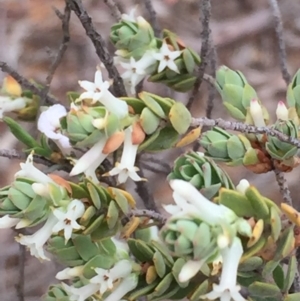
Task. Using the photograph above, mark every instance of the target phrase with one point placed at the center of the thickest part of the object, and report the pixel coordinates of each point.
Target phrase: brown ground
(243, 34)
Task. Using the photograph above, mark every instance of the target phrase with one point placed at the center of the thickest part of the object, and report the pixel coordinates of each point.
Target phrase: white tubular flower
(126, 285)
(257, 113)
(67, 220)
(94, 90)
(89, 162)
(207, 211)
(181, 207)
(282, 112)
(126, 167)
(242, 186)
(137, 70)
(190, 269)
(69, 273)
(121, 245)
(82, 293)
(98, 91)
(8, 222)
(106, 278)
(227, 289)
(28, 170)
(8, 105)
(166, 58)
(36, 241)
(114, 105)
(49, 125)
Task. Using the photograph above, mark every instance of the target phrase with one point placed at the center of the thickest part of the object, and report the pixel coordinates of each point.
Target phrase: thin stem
(143, 190)
(149, 213)
(65, 19)
(153, 17)
(21, 274)
(280, 40)
(244, 128)
(283, 186)
(211, 89)
(25, 83)
(154, 169)
(14, 154)
(100, 46)
(205, 9)
(114, 9)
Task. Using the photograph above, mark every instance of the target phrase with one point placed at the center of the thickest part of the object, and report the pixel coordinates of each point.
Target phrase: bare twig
(296, 283)
(205, 8)
(153, 17)
(99, 44)
(111, 181)
(65, 19)
(244, 128)
(154, 169)
(21, 273)
(142, 189)
(149, 213)
(114, 9)
(157, 161)
(283, 186)
(208, 78)
(280, 39)
(211, 89)
(26, 83)
(14, 154)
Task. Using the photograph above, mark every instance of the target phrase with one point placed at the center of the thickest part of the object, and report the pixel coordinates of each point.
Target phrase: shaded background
(243, 32)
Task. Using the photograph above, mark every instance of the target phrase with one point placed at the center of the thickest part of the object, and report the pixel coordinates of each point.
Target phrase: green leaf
(152, 104)
(142, 290)
(102, 261)
(260, 207)
(290, 274)
(250, 264)
(159, 264)
(166, 139)
(78, 192)
(168, 294)
(149, 121)
(20, 133)
(234, 112)
(85, 247)
(292, 297)
(176, 269)
(162, 286)
(200, 290)
(275, 222)
(180, 117)
(270, 267)
(188, 60)
(235, 148)
(278, 275)
(94, 195)
(262, 289)
(164, 251)
(137, 104)
(140, 250)
(112, 214)
(236, 202)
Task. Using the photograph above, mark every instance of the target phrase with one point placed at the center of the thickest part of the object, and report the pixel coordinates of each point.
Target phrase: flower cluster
(194, 214)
